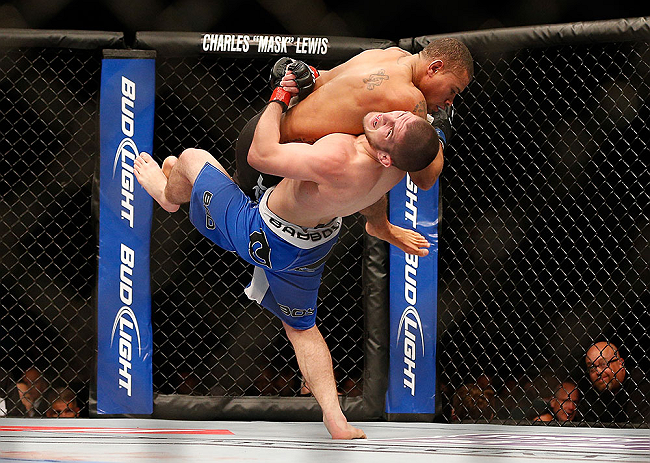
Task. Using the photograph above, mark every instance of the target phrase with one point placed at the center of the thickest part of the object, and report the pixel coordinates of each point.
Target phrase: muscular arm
(377, 225)
(427, 177)
(300, 161)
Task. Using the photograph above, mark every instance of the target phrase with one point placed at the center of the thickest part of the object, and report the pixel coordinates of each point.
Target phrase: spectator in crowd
(484, 381)
(351, 386)
(518, 398)
(471, 402)
(540, 392)
(263, 383)
(6, 385)
(10, 396)
(613, 394)
(63, 403)
(286, 383)
(31, 388)
(23, 398)
(563, 406)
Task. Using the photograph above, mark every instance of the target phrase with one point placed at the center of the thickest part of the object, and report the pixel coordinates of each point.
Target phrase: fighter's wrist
(282, 97)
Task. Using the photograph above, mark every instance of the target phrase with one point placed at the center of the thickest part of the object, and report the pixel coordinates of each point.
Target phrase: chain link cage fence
(208, 337)
(47, 252)
(544, 237)
(543, 245)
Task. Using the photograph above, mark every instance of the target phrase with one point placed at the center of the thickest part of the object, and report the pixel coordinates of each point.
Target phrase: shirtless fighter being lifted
(375, 80)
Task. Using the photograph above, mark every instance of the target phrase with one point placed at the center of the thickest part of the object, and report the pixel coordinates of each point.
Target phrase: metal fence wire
(544, 243)
(545, 230)
(208, 337)
(47, 251)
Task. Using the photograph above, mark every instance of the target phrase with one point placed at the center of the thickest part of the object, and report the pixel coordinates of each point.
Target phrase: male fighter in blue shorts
(288, 235)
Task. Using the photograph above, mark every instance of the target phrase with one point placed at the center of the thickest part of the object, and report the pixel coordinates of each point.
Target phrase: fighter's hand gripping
(305, 76)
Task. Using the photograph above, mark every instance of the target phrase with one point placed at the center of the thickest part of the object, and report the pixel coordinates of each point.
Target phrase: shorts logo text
(295, 313)
(293, 232)
(209, 223)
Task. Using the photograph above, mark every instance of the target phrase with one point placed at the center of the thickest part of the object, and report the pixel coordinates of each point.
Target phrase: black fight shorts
(252, 182)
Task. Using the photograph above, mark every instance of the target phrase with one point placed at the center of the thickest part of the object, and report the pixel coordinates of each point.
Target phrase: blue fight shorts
(289, 259)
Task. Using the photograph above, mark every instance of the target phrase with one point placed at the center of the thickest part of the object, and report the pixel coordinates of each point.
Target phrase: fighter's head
(446, 68)
(402, 139)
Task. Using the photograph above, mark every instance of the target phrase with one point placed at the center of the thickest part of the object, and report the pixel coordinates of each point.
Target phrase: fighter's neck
(363, 147)
(419, 69)
(411, 62)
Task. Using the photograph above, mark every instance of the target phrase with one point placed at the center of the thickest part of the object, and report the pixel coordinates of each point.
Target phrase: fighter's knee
(192, 160)
(191, 155)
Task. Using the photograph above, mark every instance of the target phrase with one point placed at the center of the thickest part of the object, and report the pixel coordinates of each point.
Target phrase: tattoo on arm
(301, 140)
(420, 109)
(376, 79)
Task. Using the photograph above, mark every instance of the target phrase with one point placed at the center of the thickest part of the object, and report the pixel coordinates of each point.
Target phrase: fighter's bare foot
(409, 241)
(343, 430)
(153, 180)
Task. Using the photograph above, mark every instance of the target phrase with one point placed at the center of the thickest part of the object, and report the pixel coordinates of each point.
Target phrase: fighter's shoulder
(397, 51)
(337, 143)
(392, 53)
(341, 140)
(334, 151)
(406, 97)
(415, 101)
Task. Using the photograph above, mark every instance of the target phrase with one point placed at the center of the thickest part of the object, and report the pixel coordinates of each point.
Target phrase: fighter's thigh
(192, 160)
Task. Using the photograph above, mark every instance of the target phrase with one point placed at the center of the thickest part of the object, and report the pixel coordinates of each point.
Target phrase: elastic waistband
(301, 237)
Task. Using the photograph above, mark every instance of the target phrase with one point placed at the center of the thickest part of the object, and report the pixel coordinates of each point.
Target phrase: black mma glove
(441, 121)
(278, 71)
(305, 75)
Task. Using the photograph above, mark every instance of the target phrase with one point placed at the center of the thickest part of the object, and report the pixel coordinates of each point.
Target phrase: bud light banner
(413, 304)
(124, 334)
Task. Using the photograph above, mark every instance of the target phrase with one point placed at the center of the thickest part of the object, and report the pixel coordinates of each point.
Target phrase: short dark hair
(61, 392)
(453, 52)
(417, 149)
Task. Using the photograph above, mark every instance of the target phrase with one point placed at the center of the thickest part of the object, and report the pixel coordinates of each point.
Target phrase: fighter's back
(375, 80)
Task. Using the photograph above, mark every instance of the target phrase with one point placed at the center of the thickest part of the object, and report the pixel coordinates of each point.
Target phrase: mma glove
(441, 121)
(305, 75)
(281, 96)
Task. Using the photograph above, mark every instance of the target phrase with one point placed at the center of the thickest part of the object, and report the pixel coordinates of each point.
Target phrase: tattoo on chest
(376, 79)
